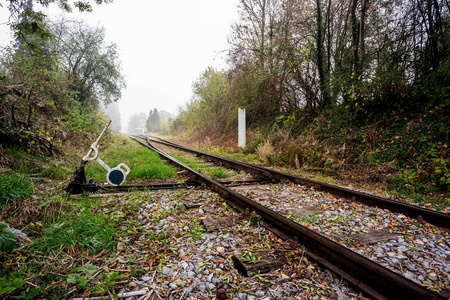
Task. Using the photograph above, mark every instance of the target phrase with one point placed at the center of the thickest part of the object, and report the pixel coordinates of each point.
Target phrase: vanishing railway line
(367, 275)
(338, 248)
(428, 215)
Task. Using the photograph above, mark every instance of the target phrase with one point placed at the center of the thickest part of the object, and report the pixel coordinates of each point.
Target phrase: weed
(202, 265)
(313, 218)
(219, 173)
(254, 219)
(266, 153)
(57, 170)
(9, 287)
(9, 236)
(259, 277)
(249, 257)
(326, 179)
(195, 229)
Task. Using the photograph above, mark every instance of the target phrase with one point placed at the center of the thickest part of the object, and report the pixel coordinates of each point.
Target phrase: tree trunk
(320, 60)
(361, 40)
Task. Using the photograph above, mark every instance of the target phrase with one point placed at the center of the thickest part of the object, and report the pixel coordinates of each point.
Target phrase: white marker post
(241, 127)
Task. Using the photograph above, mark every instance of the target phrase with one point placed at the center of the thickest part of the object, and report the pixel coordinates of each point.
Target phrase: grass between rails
(211, 171)
(144, 164)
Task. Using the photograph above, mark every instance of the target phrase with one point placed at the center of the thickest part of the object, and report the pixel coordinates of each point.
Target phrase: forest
(352, 88)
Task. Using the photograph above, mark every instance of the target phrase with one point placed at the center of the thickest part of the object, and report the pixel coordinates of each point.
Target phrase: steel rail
(373, 279)
(430, 216)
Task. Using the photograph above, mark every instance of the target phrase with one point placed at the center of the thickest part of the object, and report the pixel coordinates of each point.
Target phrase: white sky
(164, 46)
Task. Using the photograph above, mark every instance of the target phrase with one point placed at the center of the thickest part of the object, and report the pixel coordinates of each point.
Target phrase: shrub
(266, 152)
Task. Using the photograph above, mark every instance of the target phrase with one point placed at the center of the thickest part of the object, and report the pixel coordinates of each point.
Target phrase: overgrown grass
(220, 173)
(70, 247)
(144, 164)
(405, 152)
(85, 231)
(58, 170)
(214, 172)
(14, 187)
(248, 154)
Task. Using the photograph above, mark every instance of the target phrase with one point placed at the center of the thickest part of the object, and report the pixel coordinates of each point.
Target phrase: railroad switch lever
(115, 176)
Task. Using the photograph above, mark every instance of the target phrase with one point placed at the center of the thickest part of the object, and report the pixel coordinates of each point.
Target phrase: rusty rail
(373, 279)
(430, 216)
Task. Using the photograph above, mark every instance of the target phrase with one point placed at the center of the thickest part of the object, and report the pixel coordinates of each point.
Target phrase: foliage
(31, 96)
(14, 187)
(408, 151)
(254, 219)
(210, 104)
(195, 230)
(9, 236)
(266, 152)
(38, 113)
(67, 234)
(213, 171)
(7, 239)
(290, 61)
(90, 65)
(16, 6)
(249, 257)
(219, 173)
(8, 287)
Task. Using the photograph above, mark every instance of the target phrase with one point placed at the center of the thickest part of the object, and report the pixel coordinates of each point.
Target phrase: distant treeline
(155, 121)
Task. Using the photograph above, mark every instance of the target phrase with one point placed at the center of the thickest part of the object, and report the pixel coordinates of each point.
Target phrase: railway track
(431, 216)
(374, 279)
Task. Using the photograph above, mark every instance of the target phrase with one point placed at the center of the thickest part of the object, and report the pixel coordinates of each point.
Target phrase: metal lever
(115, 176)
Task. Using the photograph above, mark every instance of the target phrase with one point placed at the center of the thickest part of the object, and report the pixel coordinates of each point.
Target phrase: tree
(211, 104)
(297, 58)
(136, 123)
(323, 76)
(112, 110)
(16, 7)
(92, 66)
(24, 21)
(153, 121)
(37, 111)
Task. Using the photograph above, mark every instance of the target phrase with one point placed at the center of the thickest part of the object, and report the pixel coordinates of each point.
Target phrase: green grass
(220, 173)
(14, 187)
(144, 164)
(213, 172)
(244, 155)
(84, 231)
(57, 170)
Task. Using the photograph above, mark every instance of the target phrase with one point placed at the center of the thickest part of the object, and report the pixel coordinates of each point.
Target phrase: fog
(164, 46)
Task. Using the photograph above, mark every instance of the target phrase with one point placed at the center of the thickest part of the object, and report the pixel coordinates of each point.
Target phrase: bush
(266, 152)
